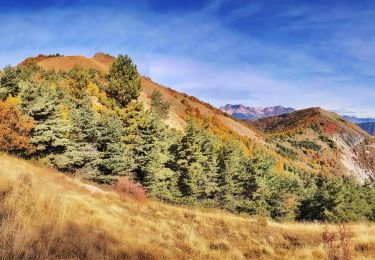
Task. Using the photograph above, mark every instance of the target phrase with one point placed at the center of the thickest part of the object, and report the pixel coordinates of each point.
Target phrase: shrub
(307, 144)
(14, 129)
(337, 244)
(284, 151)
(132, 189)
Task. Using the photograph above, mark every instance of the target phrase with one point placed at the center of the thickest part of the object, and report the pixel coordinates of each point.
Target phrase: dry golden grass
(44, 214)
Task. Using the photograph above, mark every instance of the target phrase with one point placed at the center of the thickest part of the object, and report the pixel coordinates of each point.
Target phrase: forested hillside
(92, 123)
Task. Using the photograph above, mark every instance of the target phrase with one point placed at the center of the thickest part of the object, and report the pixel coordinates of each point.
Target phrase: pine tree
(197, 173)
(50, 134)
(83, 135)
(231, 171)
(152, 155)
(159, 107)
(116, 157)
(9, 82)
(78, 80)
(124, 83)
(255, 187)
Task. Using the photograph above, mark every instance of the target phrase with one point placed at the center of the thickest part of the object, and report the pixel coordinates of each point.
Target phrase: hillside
(46, 214)
(369, 127)
(180, 102)
(322, 139)
(243, 112)
(89, 124)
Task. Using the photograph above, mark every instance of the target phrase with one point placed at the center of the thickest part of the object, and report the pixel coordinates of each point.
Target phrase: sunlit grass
(44, 214)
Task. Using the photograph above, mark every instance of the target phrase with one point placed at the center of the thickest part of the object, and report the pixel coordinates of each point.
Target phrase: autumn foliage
(14, 129)
(126, 186)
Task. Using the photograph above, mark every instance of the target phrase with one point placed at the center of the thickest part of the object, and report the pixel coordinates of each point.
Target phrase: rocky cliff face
(243, 112)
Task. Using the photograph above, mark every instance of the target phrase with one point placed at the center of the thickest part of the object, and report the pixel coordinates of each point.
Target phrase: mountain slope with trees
(96, 126)
(322, 139)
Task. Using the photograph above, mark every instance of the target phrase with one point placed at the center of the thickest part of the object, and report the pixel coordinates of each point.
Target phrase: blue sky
(258, 53)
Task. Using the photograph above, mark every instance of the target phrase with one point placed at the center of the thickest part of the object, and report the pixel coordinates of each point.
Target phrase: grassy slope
(44, 214)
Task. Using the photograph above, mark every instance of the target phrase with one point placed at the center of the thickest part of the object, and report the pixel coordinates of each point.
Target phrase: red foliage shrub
(340, 250)
(132, 189)
(330, 128)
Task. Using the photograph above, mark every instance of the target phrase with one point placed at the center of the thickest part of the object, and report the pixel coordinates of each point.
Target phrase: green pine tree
(9, 82)
(231, 169)
(159, 107)
(50, 134)
(196, 164)
(124, 83)
(152, 156)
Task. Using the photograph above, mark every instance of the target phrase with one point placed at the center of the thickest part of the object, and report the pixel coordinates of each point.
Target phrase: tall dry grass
(46, 215)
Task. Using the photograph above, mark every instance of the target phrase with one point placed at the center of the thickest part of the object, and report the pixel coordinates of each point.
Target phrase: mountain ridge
(243, 112)
(369, 127)
(358, 120)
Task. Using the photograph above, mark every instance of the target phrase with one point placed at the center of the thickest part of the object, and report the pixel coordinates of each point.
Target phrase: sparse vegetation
(307, 144)
(284, 151)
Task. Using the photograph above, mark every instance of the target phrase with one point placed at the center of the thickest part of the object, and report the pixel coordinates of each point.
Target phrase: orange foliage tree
(14, 129)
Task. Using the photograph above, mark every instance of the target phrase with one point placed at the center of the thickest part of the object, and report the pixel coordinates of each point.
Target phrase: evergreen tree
(50, 134)
(195, 169)
(124, 83)
(79, 78)
(83, 136)
(255, 186)
(159, 107)
(9, 82)
(133, 117)
(116, 157)
(152, 155)
(328, 201)
(231, 171)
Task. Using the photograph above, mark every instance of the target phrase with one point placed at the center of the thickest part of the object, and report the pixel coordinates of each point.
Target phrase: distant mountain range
(358, 120)
(367, 124)
(243, 112)
(369, 127)
(254, 113)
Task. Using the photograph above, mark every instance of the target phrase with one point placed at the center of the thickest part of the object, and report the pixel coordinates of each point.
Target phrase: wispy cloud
(259, 54)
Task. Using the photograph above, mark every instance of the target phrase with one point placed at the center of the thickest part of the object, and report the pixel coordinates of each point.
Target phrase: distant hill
(243, 112)
(358, 120)
(367, 124)
(369, 127)
(323, 140)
